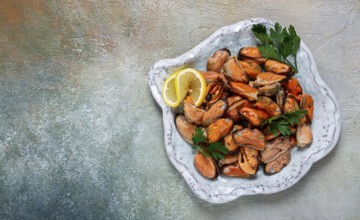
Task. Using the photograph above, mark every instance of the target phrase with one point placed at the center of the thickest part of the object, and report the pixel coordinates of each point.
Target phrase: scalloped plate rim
(190, 180)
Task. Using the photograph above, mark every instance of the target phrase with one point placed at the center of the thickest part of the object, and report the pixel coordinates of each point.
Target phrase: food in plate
(325, 126)
(245, 111)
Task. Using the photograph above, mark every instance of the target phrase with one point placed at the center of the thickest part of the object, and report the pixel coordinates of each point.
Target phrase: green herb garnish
(198, 137)
(279, 44)
(215, 150)
(283, 122)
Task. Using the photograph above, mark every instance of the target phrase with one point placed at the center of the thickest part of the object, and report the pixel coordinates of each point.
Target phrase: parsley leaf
(199, 136)
(277, 35)
(281, 126)
(215, 150)
(283, 122)
(296, 39)
(287, 47)
(259, 31)
(269, 51)
(279, 44)
(295, 116)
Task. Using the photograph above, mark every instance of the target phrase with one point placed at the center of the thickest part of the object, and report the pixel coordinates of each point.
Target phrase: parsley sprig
(283, 122)
(279, 44)
(215, 150)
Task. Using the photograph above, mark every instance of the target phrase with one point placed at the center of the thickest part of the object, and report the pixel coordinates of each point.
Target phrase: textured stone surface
(81, 136)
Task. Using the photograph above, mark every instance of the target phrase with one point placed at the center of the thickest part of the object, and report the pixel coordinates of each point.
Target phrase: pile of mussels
(242, 92)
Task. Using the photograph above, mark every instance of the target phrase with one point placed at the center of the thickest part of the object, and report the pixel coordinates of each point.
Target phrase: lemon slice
(190, 81)
(169, 92)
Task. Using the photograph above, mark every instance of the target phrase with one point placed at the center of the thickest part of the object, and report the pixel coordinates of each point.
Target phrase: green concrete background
(81, 136)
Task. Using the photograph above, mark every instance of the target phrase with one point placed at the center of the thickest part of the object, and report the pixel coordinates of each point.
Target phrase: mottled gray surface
(81, 136)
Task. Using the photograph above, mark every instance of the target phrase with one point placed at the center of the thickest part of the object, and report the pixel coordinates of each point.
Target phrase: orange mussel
(251, 138)
(206, 166)
(250, 68)
(251, 54)
(219, 129)
(267, 105)
(267, 78)
(277, 67)
(254, 116)
(307, 103)
(217, 60)
(216, 111)
(243, 90)
(234, 72)
(234, 170)
(292, 86)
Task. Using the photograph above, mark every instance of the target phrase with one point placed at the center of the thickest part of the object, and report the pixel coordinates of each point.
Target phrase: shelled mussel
(242, 92)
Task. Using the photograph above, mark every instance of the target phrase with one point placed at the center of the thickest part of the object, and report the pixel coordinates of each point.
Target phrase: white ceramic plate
(326, 123)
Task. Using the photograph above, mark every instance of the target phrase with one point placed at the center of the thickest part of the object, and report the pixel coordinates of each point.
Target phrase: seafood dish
(242, 92)
(242, 108)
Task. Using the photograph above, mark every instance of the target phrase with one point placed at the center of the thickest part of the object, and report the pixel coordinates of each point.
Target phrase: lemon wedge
(169, 92)
(190, 82)
(181, 83)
